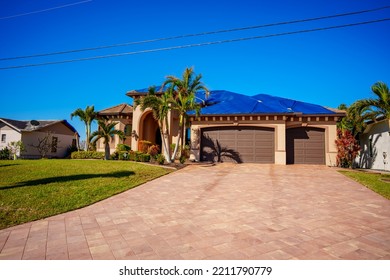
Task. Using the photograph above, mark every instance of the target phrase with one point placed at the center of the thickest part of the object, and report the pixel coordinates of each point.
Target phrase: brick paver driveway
(226, 211)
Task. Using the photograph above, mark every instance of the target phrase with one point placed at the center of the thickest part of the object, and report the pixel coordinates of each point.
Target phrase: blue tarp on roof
(221, 102)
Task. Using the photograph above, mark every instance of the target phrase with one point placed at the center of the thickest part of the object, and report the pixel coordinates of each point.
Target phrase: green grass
(35, 189)
(379, 183)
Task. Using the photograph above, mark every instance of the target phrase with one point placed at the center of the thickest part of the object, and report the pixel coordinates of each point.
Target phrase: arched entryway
(149, 129)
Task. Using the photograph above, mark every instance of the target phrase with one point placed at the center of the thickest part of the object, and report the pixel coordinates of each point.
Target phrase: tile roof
(34, 125)
(121, 109)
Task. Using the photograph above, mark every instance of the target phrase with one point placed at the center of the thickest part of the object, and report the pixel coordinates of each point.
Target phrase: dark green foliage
(123, 155)
(123, 147)
(136, 156)
(70, 150)
(160, 159)
(183, 159)
(5, 153)
(87, 155)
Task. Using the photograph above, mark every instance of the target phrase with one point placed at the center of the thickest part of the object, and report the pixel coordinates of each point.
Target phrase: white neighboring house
(375, 145)
(63, 135)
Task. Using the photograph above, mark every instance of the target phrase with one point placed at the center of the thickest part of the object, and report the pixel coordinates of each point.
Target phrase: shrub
(144, 157)
(123, 147)
(123, 155)
(347, 148)
(138, 156)
(87, 155)
(70, 150)
(187, 150)
(144, 146)
(160, 159)
(5, 153)
(153, 151)
(183, 159)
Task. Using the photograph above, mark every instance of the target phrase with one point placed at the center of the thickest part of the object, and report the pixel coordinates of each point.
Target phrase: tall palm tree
(107, 131)
(381, 104)
(182, 104)
(160, 104)
(87, 116)
(184, 90)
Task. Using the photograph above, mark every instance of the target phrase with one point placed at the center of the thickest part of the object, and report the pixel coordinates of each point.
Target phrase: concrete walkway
(227, 211)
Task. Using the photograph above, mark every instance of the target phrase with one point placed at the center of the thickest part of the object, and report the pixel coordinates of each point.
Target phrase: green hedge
(132, 155)
(122, 155)
(87, 155)
(138, 156)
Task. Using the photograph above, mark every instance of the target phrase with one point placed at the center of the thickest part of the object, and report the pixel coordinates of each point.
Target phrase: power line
(46, 10)
(197, 34)
(196, 45)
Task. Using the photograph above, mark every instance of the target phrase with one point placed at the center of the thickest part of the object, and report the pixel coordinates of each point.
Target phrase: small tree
(347, 148)
(15, 147)
(45, 145)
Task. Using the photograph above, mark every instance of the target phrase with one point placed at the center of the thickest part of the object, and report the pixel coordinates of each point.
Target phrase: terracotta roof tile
(121, 109)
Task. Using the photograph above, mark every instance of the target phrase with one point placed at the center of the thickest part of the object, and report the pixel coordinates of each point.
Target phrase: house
(123, 115)
(260, 128)
(62, 136)
(375, 145)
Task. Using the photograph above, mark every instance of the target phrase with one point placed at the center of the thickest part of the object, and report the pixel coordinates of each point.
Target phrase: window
(54, 142)
(370, 149)
(128, 130)
(3, 138)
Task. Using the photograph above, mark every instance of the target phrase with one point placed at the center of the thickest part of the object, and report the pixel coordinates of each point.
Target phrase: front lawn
(379, 183)
(35, 189)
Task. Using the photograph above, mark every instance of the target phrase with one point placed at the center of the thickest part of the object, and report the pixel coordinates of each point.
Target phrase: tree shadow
(369, 155)
(59, 179)
(5, 165)
(215, 152)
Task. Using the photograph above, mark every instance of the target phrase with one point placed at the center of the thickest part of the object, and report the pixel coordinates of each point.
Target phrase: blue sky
(326, 67)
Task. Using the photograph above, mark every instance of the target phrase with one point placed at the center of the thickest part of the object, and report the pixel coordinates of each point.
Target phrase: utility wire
(45, 10)
(197, 34)
(196, 45)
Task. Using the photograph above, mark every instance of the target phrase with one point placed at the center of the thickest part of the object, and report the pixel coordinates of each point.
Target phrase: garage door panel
(246, 151)
(243, 137)
(226, 136)
(246, 144)
(305, 145)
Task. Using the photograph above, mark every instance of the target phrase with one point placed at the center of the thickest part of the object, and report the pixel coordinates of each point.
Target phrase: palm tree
(381, 104)
(356, 117)
(87, 116)
(182, 104)
(160, 106)
(184, 91)
(107, 131)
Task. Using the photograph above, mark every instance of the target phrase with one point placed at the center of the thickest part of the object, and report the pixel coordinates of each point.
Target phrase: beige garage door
(305, 145)
(238, 144)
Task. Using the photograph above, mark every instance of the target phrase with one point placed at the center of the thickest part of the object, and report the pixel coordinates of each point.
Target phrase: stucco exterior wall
(11, 135)
(375, 146)
(137, 114)
(121, 124)
(31, 139)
